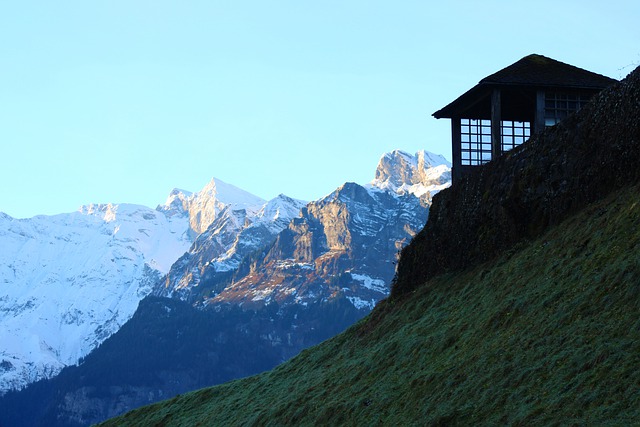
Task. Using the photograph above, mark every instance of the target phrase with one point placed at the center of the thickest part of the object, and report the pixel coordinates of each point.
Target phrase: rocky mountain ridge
(342, 246)
(353, 234)
(326, 268)
(203, 207)
(57, 270)
(233, 235)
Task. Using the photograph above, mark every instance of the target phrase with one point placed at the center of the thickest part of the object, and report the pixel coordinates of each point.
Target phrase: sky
(122, 101)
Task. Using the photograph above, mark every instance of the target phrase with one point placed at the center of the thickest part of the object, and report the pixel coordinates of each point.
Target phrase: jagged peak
(419, 174)
(177, 201)
(346, 192)
(180, 192)
(227, 194)
(281, 207)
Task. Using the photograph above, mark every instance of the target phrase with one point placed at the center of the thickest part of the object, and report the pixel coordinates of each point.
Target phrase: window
(475, 138)
(514, 134)
(558, 105)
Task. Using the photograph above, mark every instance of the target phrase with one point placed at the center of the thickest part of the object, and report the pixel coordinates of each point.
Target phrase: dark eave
(533, 71)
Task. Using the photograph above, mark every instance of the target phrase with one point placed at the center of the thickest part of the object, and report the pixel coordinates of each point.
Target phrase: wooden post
(539, 117)
(496, 146)
(456, 152)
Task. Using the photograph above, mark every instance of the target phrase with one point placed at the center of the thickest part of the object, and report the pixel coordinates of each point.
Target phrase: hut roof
(531, 71)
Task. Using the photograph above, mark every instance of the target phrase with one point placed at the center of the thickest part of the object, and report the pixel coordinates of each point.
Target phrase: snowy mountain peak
(204, 206)
(349, 191)
(420, 174)
(104, 211)
(177, 202)
(228, 194)
(280, 207)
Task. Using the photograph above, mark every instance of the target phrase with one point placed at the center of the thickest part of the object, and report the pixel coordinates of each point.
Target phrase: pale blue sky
(121, 101)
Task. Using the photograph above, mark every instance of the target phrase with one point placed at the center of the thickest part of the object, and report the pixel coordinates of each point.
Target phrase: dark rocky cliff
(516, 197)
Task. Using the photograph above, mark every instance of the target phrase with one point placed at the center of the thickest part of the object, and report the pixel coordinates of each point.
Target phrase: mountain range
(69, 281)
(267, 278)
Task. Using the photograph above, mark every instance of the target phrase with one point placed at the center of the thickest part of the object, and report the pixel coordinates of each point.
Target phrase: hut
(504, 109)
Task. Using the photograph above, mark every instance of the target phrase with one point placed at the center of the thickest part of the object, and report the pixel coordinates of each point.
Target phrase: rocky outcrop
(219, 250)
(422, 174)
(535, 186)
(203, 207)
(342, 246)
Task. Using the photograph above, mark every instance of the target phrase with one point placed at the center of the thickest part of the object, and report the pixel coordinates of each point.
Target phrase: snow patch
(376, 285)
(361, 304)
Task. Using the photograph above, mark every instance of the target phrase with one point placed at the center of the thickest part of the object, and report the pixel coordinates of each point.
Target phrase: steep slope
(540, 329)
(342, 246)
(547, 335)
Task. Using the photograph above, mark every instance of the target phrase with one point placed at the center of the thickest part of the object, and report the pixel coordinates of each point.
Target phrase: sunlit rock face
(422, 174)
(344, 245)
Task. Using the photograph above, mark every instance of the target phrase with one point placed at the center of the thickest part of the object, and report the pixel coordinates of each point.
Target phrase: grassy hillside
(549, 333)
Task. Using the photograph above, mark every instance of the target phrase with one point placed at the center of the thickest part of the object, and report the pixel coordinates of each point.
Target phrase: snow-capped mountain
(234, 234)
(353, 233)
(69, 281)
(204, 206)
(342, 246)
(422, 174)
(262, 282)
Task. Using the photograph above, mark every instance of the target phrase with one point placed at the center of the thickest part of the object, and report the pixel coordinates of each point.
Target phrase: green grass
(549, 334)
